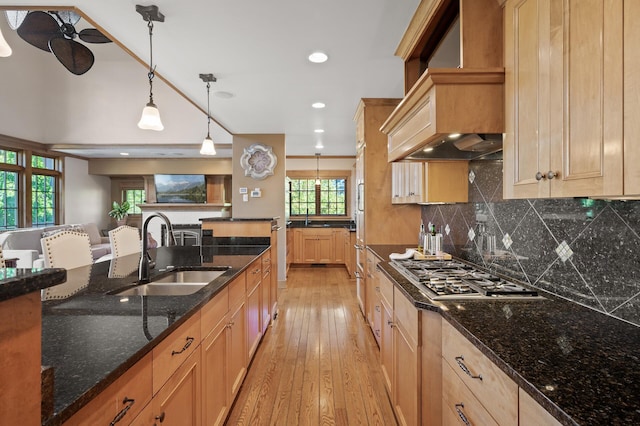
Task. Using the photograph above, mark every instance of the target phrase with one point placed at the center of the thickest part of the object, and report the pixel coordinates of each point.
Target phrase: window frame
(323, 174)
(24, 152)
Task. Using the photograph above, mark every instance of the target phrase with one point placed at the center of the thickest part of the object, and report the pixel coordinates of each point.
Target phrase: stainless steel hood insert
(464, 147)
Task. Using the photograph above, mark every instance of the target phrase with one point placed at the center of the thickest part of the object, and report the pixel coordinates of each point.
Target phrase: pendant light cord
(208, 111)
(152, 69)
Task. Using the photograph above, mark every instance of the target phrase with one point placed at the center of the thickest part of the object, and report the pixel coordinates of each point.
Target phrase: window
(9, 189)
(327, 199)
(134, 197)
(44, 184)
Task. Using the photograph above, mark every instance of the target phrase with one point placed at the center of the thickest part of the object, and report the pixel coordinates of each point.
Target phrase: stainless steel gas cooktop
(451, 279)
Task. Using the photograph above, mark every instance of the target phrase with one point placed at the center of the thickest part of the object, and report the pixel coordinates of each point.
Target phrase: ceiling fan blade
(38, 28)
(76, 57)
(92, 35)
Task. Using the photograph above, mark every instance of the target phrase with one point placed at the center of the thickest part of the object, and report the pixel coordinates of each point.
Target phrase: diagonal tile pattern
(578, 249)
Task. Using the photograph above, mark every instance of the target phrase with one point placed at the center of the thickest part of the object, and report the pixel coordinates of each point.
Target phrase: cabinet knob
(160, 417)
(549, 175)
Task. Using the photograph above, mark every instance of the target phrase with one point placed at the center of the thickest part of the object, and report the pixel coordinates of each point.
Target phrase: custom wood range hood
(464, 96)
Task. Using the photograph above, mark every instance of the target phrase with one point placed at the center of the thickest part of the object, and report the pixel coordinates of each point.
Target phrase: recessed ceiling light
(318, 105)
(319, 145)
(124, 154)
(223, 95)
(318, 57)
(319, 130)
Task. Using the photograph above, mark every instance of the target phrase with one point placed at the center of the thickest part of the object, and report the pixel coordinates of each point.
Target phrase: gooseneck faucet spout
(145, 259)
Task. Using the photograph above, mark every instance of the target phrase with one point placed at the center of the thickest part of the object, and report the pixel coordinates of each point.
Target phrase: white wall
(87, 198)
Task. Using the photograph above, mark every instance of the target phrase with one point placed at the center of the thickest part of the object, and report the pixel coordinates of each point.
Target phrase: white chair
(125, 240)
(2, 263)
(66, 249)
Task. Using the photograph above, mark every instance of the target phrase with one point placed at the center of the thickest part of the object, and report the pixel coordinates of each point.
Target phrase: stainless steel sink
(190, 277)
(177, 283)
(162, 289)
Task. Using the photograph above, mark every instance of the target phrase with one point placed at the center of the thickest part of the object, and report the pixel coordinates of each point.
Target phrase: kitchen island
(91, 336)
(578, 364)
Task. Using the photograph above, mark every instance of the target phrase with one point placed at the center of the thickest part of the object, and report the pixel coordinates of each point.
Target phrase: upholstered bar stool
(66, 249)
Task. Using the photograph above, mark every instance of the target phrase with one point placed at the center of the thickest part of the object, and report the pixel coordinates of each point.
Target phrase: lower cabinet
(178, 402)
(192, 377)
(531, 413)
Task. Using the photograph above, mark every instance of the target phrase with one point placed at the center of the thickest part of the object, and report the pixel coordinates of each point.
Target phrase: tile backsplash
(587, 251)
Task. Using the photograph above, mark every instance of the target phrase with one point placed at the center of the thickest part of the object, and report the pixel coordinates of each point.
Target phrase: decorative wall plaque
(258, 161)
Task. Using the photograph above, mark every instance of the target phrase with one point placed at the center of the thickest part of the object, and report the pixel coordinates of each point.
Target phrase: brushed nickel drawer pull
(464, 419)
(463, 367)
(185, 347)
(128, 403)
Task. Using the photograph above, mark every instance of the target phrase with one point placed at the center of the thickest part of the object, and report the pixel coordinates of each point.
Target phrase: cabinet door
(324, 248)
(564, 91)
(254, 322)
(309, 248)
(530, 413)
(586, 82)
(265, 303)
(339, 246)
(237, 344)
(386, 346)
(406, 360)
(215, 383)
(526, 137)
(298, 249)
(179, 401)
(632, 98)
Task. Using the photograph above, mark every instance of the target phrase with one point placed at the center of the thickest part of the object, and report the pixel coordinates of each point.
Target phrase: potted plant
(119, 212)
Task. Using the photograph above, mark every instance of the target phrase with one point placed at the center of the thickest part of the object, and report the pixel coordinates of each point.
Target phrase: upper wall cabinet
(454, 75)
(572, 98)
(429, 182)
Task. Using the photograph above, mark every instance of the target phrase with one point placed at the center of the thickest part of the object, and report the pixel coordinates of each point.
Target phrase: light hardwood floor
(318, 363)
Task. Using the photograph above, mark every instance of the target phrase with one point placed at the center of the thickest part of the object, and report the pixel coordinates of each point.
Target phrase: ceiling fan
(54, 32)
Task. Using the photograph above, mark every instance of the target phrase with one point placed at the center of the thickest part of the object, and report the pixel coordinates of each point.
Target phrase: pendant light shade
(5, 49)
(207, 143)
(150, 119)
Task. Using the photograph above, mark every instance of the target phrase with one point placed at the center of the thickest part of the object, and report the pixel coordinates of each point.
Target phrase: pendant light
(317, 169)
(207, 143)
(5, 49)
(150, 119)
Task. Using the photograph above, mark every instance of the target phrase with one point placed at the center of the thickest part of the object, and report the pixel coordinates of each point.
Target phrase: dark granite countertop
(323, 224)
(17, 282)
(238, 219)
(579, 364)
(91, 337)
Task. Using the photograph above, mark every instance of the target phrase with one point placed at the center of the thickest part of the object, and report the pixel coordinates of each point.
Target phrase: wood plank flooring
(318, 363)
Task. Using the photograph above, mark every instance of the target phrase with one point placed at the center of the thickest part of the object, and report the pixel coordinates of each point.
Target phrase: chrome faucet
(306, 221)
(145, 259)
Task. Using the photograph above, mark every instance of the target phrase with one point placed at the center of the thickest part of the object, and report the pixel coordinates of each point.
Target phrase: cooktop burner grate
(450, 279)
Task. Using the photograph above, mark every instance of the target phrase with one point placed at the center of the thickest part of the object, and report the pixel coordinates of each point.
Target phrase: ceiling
(258, 52)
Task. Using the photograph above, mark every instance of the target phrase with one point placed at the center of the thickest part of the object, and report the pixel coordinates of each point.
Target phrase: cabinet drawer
(386, 290)
(495, 390)
(132, 390)
(214, 312)
(173, 350)
(237, 291)
(458, 402)
(254, 275)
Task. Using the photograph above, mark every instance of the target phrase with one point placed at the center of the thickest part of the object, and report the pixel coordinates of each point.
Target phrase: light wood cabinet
(216, 393)
(564, 98)
(254, 294)
(297, 246)
(430, 182)
(122, 401)
(339, 249)
(493, 389)
(531, 413)
(317, 245)
(373, 191)
(431, 377)
(406, 360)
(400, 357)
(178, 402)
(237, 341)
(266, 304)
